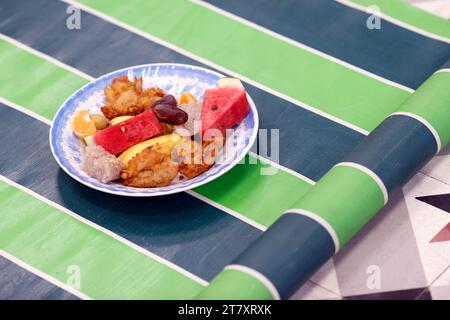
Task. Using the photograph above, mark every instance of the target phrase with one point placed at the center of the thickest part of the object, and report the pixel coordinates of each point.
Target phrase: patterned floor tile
(439, 167)
(397, 255)
(410, 294)
(440, 289)
(428, 222)
(311, 291)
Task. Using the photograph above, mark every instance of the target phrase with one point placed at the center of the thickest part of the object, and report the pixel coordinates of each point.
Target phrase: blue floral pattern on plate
(173, 79)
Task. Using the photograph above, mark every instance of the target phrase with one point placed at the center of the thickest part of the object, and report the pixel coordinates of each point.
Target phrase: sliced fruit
(100, 121)
(170, 114)
(119, 137)
(167, 99)
(163, 144)
(119, 119)
(187, 98)
(82, 124)
(223, 108)
(230, 82)
(89, 140)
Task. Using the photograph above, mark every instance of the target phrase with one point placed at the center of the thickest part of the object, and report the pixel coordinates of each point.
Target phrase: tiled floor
(403, 253)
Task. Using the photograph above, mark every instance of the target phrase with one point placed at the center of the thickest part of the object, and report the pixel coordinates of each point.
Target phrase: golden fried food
(149, 169)
(149, 96)
(194, 159)
(125, 97)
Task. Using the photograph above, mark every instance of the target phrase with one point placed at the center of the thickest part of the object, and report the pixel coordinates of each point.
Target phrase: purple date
(169, 114)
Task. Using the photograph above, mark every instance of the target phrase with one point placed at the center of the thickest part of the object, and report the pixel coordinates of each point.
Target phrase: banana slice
(163, 144)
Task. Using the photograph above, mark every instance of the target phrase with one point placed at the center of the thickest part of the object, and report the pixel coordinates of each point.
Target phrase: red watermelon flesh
(124, 135)
(223, 108)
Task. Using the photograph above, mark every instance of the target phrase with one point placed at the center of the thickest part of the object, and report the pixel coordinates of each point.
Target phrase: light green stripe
(432, 102)
(262, 198)
(259, 197)
(50, 241)
(33, 82)
(223, 287)
(346, 198)
(411, 15)
(295, 72)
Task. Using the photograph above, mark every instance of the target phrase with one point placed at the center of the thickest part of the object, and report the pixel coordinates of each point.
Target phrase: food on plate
(191, 159)
(149, 169)
(146, 138)
(230, 82)
(89, 140)
(192, 125)
(126, 134)
(223, 108)
(170, 114)
(100, 164)
(196, 158)
(99, 120)
(167, 111)
(187, 98)
(168, 128)
(167, 99)
(125, 97)
(162, 144)
(120, 119)
(82, 124)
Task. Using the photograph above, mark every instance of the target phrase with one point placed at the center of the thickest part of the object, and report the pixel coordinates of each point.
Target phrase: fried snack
(149, 96)
(194, 159)
(149, 169)
(125, 97)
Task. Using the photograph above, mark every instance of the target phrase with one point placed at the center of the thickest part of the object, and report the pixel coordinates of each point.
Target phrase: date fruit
(167, 99)
(170, 114)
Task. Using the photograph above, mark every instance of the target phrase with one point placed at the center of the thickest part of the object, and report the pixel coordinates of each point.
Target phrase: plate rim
(189, 187)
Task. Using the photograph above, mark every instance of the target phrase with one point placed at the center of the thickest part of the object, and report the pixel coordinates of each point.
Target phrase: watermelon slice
(126, 134)
(223, 108)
